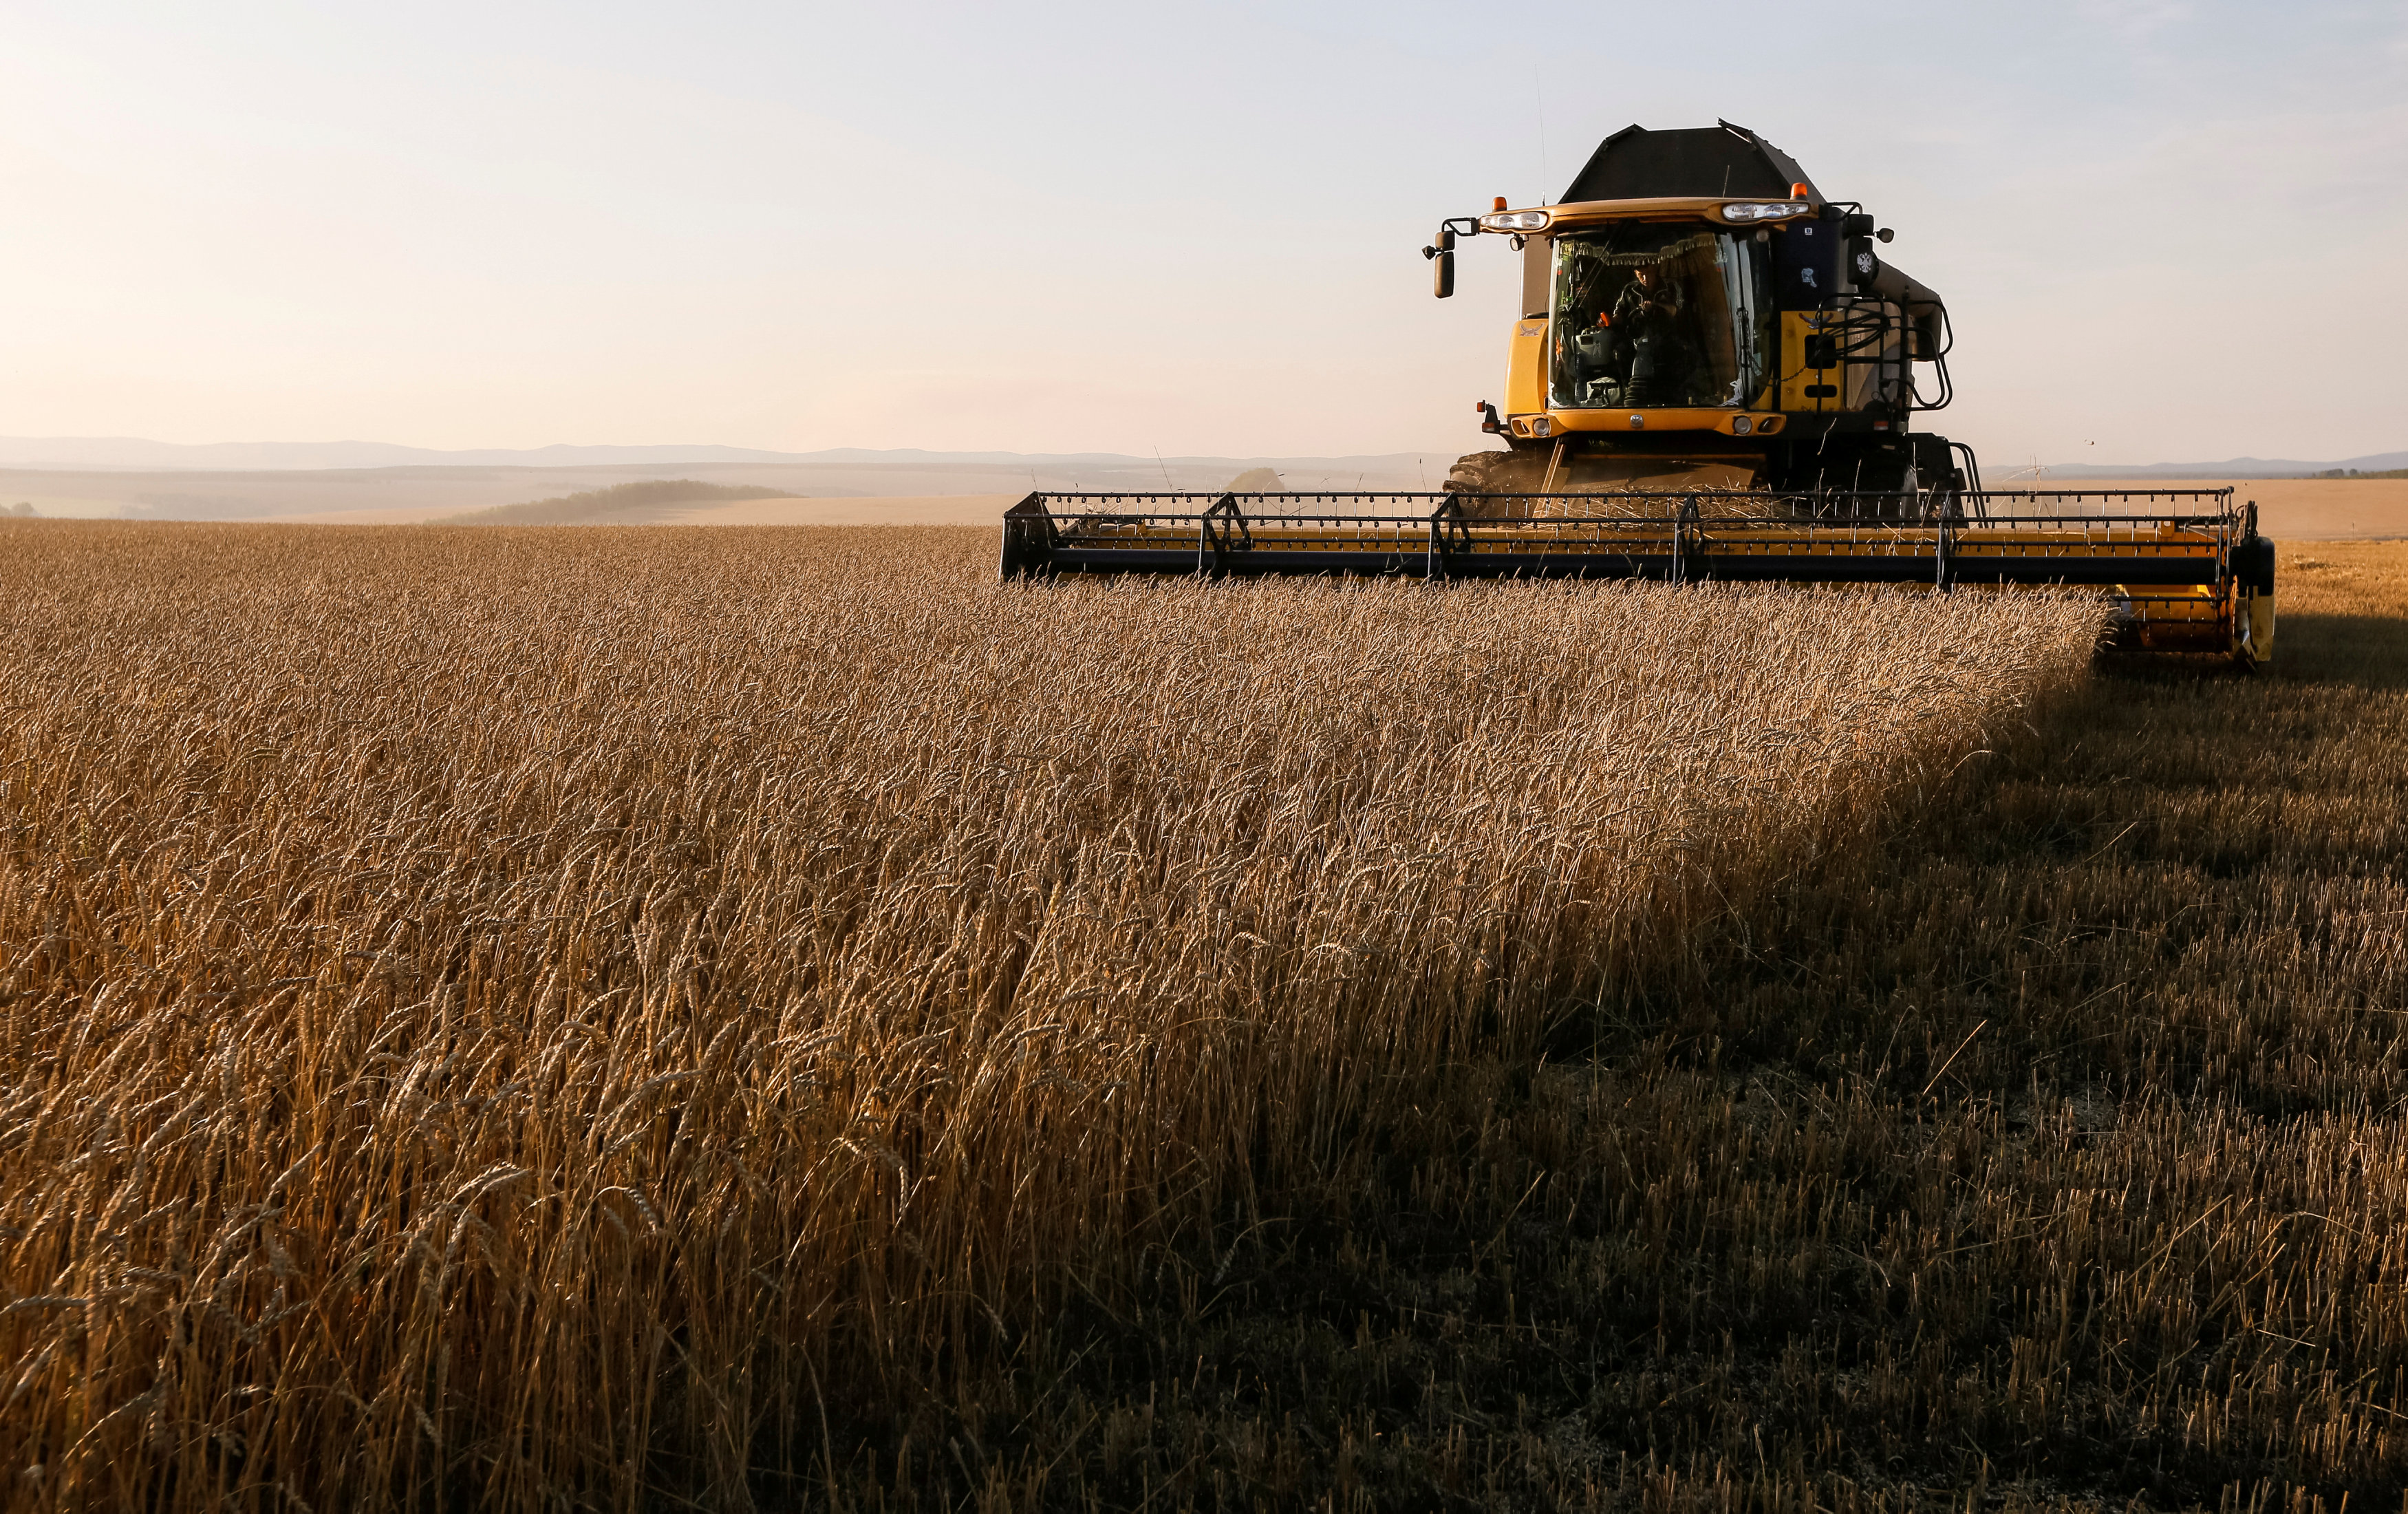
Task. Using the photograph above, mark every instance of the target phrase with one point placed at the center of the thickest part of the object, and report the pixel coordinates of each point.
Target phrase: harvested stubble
(533, 1020)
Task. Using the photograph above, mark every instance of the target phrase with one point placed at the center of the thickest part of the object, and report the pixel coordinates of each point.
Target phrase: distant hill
(623, 504)
(137, 455)
(126, 478)
(209, 487)
(2231, 467)
(1055, 470)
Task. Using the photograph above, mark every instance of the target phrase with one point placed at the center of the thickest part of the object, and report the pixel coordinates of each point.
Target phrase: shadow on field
(2369, 651)
(2048, 1147)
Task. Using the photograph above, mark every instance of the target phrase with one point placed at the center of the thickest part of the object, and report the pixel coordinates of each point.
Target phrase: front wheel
(1495, 472)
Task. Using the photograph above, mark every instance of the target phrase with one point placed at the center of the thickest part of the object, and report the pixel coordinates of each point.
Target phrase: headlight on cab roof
(1516, 221)
(1765, 210)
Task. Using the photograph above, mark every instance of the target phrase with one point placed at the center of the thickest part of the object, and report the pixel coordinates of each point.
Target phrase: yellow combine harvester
(1711, 376)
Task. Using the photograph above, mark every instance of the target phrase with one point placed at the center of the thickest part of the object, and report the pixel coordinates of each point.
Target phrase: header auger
(1711, 376)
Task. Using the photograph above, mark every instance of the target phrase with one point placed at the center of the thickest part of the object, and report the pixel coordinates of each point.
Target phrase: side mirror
(1442, 253)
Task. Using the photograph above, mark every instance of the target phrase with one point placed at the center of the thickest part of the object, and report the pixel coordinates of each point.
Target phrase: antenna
(1539, 87)
(1164, 466)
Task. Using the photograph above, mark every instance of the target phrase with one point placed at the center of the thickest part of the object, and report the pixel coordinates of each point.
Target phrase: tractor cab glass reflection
(1658, 315)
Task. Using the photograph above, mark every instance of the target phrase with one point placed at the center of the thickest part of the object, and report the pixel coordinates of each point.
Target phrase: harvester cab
(1710, 375)
(1696, 313)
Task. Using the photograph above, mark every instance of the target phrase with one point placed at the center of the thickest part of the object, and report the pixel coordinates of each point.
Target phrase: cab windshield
(1653, 315)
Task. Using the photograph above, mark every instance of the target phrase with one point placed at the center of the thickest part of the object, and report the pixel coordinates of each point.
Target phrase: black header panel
(1635, 163)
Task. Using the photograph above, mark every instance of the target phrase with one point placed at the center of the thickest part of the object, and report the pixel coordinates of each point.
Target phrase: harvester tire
(1495, 472)
(2253, 564)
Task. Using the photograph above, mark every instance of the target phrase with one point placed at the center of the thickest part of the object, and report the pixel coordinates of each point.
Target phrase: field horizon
(139, 454)
(849, 488)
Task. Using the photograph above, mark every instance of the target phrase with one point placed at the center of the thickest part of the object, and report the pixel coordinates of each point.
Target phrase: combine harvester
(1712, 379)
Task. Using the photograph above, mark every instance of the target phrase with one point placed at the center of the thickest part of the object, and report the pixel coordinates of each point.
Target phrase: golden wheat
(537, 1022)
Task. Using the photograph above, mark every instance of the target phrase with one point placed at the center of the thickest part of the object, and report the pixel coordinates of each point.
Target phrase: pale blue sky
(2172, 229)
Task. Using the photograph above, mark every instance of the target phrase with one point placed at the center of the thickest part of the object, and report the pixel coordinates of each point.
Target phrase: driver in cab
(1644, 320)
(1649, 300)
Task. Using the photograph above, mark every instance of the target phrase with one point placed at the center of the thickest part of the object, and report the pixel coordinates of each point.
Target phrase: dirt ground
(926, 510)
(863, 509)
(2297, 510)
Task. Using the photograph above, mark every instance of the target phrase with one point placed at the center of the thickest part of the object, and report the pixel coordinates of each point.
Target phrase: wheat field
(533, 1020)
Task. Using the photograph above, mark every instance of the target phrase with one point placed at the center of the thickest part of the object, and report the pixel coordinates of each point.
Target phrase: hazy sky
(2174, 230)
